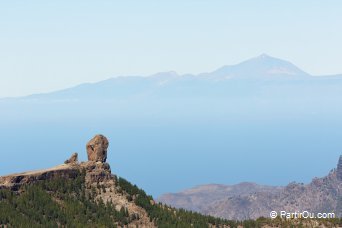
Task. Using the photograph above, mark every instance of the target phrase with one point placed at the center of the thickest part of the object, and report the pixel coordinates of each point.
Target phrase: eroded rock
(73, 159)
(97, 149)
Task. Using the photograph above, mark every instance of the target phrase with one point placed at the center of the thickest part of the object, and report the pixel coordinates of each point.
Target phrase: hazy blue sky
(48, 45)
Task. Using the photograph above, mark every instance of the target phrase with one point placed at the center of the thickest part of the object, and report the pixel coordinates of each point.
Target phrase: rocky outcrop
(73, 159)
(339, 169)
(97, 149)
(98, 179)
(16, 181)
(96, 172)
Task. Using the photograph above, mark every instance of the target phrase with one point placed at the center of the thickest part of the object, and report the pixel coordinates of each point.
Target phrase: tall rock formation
(97, 149)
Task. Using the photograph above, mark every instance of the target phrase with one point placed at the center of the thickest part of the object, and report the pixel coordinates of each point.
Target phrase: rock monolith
(97, 149)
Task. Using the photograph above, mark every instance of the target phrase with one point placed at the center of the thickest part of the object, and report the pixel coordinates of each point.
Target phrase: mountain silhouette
(230, 79)
(261, 67)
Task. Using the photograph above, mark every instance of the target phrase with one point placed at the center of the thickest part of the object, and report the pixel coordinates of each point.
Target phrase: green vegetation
(57, 203)
(64, 202)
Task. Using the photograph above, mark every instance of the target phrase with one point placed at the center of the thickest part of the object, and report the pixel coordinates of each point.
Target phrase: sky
(51, 45)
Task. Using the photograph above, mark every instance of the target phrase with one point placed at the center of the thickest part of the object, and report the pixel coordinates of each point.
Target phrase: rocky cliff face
(241, 202)
(16, 181)
(98, 179)
(339, 169)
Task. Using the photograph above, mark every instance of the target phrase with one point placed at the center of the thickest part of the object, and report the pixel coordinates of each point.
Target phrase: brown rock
(97, 149)
(73, 159)
(96, 172)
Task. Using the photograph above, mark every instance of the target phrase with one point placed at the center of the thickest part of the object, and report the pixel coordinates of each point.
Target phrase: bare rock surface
(73, 159)
(97, 149)
(15, 181)
(339, 169)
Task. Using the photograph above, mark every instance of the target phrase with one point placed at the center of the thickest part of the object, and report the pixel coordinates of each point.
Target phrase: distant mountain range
(227, 80)
(250, 201)
(200, 197)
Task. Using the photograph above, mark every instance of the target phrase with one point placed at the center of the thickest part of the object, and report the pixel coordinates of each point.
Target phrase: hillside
(86, 194)
(251, 201)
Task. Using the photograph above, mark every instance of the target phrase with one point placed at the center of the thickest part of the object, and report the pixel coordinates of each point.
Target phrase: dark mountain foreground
(251, 201)
(86, 194)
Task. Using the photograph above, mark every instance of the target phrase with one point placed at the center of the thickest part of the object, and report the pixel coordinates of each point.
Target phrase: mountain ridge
(253, 201)
(262, 67)
(259, 67)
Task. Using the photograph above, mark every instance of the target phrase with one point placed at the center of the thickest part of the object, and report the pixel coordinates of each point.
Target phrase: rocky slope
(250, 201)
